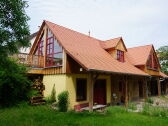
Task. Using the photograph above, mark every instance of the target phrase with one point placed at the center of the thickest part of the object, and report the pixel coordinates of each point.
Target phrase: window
(81, 89)
(152, 62)
(53, 51)
(120, 55)
(149, 62)
(40, 47)
(39, 53)
(155, 63)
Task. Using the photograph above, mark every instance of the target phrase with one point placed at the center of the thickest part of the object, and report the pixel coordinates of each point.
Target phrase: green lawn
(44, 116)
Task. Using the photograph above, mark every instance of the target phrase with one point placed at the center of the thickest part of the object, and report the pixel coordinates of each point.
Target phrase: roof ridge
(140, 46)
(74, 31)
(112, 39)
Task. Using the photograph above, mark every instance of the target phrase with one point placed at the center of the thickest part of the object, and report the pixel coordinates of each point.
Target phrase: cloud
(138, 22)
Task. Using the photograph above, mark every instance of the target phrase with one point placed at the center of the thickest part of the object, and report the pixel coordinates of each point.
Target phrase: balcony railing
(30, 60)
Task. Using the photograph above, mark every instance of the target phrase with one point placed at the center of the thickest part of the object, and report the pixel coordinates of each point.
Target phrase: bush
(63, 101)
(150, 100)
(146, 109)
(14, 84)
(154, 111)
(53, 94)
(132, 106)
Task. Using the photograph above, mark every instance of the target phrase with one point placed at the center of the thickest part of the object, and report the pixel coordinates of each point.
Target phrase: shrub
(63, 101)
(146, 109)
(132, 106)
(154, 111)
(150, 100)
(14, 84)
(32, 93)
(53, 94)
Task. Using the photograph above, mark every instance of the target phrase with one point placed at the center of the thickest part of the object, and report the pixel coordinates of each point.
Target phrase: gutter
(102, 71)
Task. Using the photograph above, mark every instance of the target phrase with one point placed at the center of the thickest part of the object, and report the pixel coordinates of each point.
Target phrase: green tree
(14, 85)
(163, 58)
(14, 32)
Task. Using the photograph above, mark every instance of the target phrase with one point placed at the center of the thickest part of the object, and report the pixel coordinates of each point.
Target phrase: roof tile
(88, 52)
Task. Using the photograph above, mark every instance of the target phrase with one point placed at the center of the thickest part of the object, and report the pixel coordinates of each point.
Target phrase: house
(91, 70)
(31, 40)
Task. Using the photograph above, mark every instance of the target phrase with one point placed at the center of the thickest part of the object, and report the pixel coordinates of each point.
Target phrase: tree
(14, 85)
(163, 58)
(14, 32)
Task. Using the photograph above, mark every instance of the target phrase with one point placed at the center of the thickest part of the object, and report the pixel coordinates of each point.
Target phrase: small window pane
(49, 33)
(57, 59)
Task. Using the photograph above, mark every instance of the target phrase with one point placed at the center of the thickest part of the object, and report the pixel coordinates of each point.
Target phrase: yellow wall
(49, 80)
(71, 87)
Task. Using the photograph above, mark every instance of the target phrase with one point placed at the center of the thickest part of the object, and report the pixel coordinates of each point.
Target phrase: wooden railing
(29, 60)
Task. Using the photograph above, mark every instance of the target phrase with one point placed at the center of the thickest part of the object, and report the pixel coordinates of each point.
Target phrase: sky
(138, 22)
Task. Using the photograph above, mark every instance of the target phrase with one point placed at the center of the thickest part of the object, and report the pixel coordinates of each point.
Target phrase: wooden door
(100, 91)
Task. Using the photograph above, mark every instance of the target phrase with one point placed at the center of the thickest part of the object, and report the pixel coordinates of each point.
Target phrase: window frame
(152, 62)
(79, 90)
(120, 56)
(50, 42)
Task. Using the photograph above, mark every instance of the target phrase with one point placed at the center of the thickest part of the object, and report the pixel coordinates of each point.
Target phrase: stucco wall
(71, 87)
(49, 80)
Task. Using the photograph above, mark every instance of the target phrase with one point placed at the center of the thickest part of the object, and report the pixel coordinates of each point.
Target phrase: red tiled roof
(138, 55)
(163, 75)
(88, 52)
(110, 43)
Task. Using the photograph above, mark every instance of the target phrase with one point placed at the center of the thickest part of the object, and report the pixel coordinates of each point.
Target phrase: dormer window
(120, 55)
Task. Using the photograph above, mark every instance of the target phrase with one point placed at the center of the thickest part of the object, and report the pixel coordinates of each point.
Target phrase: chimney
(89, 33)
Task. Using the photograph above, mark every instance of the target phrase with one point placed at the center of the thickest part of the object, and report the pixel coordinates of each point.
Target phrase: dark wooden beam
(145, 95)
(158, 84)
(92, 80)
(126, 91)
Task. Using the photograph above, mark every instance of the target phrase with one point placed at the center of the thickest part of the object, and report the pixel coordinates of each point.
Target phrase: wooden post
(91, 84)
(92, 80)
(159, 88)
(145, 95)
(126, 92)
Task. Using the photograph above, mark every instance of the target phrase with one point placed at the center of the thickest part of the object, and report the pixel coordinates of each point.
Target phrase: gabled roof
(112, 43)
(88, 52)
(138, 55)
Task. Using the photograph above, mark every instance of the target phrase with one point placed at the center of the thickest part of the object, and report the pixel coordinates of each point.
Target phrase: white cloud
(138, 22)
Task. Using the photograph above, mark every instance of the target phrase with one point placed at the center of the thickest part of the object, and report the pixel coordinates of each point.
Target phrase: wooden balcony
(30, 60)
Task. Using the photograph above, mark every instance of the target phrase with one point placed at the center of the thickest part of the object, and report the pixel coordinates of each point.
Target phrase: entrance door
(100, 91)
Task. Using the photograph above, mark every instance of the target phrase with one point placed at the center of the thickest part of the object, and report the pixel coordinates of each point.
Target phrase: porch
(102, 90)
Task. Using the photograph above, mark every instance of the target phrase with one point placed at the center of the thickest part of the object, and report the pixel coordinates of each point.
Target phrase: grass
(26, 115)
